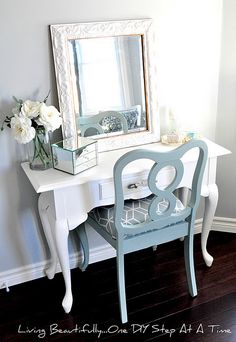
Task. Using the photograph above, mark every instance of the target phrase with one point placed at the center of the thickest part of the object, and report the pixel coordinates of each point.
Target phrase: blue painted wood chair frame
(160, 227)
(93, 121)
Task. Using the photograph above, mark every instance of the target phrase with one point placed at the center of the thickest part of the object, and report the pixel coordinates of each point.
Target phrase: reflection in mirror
(108, 84)
(106, 78)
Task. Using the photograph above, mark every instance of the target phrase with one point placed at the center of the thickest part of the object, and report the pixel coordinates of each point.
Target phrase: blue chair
(103, 122)
(131, 225)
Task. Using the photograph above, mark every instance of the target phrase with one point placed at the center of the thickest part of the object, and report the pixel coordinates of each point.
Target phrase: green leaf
(46, 98)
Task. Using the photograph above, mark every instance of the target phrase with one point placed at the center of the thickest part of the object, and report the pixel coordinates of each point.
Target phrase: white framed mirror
(106, 81)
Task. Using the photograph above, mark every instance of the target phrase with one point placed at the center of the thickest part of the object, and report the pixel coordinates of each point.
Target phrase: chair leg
(121, 285)
(189, 265)
(81, 232)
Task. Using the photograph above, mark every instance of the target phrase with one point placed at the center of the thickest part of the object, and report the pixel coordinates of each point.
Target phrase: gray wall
(187, 54)
(226, 120)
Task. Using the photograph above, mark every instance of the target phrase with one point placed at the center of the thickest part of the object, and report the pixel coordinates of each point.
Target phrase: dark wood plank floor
(159, 306)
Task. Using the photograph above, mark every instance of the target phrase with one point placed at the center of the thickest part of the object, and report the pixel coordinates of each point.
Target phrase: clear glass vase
(41, 158)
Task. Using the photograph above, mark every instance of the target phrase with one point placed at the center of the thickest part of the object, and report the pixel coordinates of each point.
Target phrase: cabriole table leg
(44, 207)
(210, 208)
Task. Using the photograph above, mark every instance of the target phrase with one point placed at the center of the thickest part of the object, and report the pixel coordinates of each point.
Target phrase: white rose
(30, 109)
(22, 130)
(49, 117)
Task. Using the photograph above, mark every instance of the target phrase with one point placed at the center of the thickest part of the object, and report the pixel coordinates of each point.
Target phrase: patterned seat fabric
(113, 124)
(134, 212)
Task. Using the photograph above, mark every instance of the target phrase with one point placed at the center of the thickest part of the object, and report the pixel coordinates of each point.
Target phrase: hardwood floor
(159, 306)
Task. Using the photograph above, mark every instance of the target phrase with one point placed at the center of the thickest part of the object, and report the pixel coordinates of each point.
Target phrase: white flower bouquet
(29, 116)
(33, 120)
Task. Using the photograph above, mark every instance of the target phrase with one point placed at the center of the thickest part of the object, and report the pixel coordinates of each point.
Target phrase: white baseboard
(198, 226)
(224, 224)
(220, 224)
(36, 270)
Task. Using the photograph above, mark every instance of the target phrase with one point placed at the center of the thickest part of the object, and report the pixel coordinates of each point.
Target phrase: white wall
(226, 120)
(188, 45)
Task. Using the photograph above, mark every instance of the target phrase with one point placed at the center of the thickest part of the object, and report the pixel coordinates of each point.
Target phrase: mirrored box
(74, 155)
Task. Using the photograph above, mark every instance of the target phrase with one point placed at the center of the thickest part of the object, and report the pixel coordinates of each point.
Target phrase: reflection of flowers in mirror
(28, 116)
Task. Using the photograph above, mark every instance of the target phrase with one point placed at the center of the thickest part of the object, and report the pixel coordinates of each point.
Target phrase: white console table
(65, 200)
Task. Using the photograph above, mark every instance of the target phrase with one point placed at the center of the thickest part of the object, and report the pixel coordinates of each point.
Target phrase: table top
(51, 179)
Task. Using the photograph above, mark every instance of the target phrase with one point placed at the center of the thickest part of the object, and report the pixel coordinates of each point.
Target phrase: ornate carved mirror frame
(63, 34)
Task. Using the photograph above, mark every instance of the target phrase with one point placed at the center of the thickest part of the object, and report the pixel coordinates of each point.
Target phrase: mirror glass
(106, 81)
(108, 77)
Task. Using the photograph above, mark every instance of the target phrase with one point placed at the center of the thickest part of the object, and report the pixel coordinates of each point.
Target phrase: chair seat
(134, 212)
